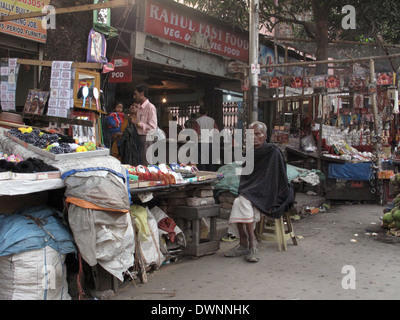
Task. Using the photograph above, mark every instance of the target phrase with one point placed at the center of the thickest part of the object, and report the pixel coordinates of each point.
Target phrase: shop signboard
(173, 25)
(30, 29)
(122, 70)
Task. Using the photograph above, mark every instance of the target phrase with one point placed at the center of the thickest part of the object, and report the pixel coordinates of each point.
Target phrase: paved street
(342, 237)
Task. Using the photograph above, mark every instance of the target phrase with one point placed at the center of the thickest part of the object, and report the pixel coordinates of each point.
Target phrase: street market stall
(115, 229)
(346, 118)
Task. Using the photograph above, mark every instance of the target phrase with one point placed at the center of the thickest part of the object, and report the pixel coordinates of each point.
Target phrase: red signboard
(167, 23)
(122, 70)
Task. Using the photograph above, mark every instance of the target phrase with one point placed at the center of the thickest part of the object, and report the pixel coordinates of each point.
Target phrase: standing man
(146, 119)
(206, 123)
(265, 191)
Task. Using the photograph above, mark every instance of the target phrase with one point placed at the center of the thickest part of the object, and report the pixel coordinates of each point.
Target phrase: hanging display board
(30, 29)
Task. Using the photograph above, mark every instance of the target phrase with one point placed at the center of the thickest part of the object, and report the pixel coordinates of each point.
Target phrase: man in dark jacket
(265, 191)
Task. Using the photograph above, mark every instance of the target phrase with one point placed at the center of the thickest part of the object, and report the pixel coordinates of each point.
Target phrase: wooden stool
(199, 247)
(276, 233)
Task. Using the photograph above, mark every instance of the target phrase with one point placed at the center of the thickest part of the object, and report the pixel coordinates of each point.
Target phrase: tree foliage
(69, 40)
(375, 21)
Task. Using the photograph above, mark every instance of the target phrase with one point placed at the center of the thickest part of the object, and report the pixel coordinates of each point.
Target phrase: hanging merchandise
(396, 101)
(382, 100)
(296, 82)
(102, 21)
(9, 76)
(108, 67)
(36, 101)
(320, 105)
(61, 89)
(357, 82)
(97, 47)
(318, 81)
(358, 101)
(275, 82)
(308, 82)
(384, 79)
(332, 82)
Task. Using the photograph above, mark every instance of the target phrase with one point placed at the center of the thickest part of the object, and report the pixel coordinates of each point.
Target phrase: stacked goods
(202, 196)
(391, 217)
(54, 143)
(163, 174)
(197, 197)
(14, 167)
(170, 201)
(226, 200)
(395, 182)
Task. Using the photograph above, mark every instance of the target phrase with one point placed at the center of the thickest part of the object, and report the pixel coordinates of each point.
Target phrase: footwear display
(237, 252)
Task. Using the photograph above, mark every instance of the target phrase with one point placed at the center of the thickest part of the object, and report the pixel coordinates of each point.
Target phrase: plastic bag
(308, 143)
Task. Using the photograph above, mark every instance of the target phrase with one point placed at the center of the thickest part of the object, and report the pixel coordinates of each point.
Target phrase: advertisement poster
(266, 57)
(30, 29)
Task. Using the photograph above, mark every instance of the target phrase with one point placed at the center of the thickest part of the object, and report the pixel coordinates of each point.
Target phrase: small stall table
(189, 217)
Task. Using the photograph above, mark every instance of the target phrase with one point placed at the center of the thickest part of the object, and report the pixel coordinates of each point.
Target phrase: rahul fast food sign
(30, 29)
(167, 23)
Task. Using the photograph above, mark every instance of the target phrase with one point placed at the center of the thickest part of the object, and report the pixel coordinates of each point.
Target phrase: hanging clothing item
(130, 145)
(320, 105)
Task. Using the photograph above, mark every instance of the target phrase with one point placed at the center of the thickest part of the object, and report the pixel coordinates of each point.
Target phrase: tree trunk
(321, 12)
(68, 42)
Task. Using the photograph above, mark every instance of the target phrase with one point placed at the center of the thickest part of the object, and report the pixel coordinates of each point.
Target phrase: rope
(79, 278)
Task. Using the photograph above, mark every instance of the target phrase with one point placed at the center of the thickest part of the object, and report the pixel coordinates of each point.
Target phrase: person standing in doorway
(146, 119)
(204, 126)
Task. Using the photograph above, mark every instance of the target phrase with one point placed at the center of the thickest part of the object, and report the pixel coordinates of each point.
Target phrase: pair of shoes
(238, 251)
(253, 255)
(229, 238)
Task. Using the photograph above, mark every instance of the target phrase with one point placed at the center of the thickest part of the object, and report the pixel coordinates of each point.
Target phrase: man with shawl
(265, 191)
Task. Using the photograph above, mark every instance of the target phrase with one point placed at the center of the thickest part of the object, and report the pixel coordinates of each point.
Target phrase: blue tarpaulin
(34, 228)
(350, 171)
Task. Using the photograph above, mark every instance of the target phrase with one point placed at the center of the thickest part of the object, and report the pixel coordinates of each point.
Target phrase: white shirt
(208, 124)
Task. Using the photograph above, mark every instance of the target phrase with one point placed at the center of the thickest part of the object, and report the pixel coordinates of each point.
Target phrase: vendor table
(197, 246)
(344, 181)
(21, 187)
(350, 181)
(188, 218)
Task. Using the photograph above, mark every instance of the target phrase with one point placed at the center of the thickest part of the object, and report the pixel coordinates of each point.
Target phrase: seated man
(265, 191)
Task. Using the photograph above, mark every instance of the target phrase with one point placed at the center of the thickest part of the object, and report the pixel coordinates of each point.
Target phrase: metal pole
(254, 46)
(377, 126)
